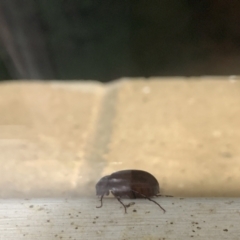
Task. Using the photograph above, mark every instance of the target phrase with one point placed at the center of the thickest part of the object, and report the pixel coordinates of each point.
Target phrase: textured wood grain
(186, 218)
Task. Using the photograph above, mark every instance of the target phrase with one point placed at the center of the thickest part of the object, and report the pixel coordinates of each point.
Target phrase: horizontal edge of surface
(185, 218)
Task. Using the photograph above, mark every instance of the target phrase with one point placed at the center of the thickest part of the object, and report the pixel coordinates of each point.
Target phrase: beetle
(129, 184)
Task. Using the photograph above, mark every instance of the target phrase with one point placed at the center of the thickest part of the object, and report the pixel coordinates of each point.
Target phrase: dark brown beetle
(129, 184)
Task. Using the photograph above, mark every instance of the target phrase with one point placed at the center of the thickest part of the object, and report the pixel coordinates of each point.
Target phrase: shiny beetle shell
(129, 184)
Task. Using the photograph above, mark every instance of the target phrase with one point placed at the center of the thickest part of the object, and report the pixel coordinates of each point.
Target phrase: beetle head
(102, 186)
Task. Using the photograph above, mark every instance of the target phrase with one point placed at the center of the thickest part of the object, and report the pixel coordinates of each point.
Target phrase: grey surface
(196, 218)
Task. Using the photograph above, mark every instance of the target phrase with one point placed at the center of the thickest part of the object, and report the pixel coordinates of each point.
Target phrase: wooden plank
(185, 218)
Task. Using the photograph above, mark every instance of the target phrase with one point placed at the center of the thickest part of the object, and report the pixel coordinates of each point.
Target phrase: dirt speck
(225, 230)
(31, 206)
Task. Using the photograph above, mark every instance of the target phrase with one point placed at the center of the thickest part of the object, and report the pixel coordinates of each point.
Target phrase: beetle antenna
(101, 202)
(149, 199)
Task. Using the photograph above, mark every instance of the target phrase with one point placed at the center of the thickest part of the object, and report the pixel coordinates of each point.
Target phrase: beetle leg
(101, 202)
(119, 199)
(150, 200)
(125, 207)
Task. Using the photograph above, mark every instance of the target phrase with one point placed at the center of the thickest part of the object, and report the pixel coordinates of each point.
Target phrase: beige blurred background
(58, 139)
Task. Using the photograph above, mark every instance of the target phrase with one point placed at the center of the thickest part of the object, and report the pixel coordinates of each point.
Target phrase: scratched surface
(75, 219)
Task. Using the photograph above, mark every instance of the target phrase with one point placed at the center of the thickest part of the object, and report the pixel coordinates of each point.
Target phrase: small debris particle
(76, 227)
(194, 222)
(193, 230)
(198, 228)
(171, 222)
(40, 209)
(134, 210)
(191, 235)
(93, 222)
(156, 225)
(225, 230)
(31, 206)
(48, 220)
(72, 223)
(130, 204)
